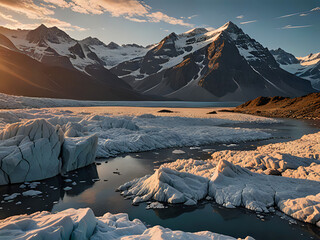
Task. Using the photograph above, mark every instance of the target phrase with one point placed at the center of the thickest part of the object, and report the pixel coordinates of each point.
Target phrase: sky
(293, 25)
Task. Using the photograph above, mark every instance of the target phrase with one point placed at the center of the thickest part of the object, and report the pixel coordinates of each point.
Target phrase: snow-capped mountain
(56, 48)
(305, 67)
(224, 64)
(113, 54)
(32, 72)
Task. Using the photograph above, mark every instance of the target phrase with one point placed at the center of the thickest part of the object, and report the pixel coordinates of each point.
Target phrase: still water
(96, 184)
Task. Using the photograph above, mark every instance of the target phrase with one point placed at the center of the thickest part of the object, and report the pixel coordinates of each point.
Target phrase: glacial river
(96, 184)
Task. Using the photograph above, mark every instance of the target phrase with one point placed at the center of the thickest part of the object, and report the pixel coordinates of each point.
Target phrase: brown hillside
(305, 107)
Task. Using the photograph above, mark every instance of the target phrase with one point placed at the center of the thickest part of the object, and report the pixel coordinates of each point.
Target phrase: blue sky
(293, 25)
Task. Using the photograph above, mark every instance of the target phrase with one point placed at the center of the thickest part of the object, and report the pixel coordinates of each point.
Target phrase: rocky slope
(53, 75)
(224, 64)
(306, 107)
(55, 47)
(305, 67)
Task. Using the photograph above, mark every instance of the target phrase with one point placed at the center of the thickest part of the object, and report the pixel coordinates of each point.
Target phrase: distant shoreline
(305, 107)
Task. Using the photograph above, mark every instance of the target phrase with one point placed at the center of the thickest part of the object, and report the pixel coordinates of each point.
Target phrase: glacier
(82, 224)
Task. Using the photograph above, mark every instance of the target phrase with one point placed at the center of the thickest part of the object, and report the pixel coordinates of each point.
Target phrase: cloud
(133, 19)
(132, 10)
(193, 16)
(38, 14)
(27, 8)
(293, 27)
(115, 7)
(301, 14)
(252, 21)
(159, 16)
(240, 17)
(7, 18)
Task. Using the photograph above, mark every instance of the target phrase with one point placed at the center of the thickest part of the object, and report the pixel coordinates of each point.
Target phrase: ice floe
(297, 159)
(167, 185)
(82, 224)
(188, 181)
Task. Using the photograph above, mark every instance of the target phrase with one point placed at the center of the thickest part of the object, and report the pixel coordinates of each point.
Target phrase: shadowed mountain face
(224, 64)
(36, 68)
(22, 75)
(305, 67)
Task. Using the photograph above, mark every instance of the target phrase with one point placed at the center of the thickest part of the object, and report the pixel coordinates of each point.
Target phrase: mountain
(305, 67)
(23, 75)
(54, 47)
(201, 65)
(283, 57)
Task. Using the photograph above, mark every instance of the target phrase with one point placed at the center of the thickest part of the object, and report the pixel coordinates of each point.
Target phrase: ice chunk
(27, 147)
(31, 151)
(31, 193)
(78, 152)
(167, 185)
(237, 186)
(81, 224)
(178, 151)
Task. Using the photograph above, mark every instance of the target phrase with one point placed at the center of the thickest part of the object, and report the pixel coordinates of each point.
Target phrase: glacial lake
(96, 184)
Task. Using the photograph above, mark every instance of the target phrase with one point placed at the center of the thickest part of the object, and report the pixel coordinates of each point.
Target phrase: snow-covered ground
(188, 181)
(121, 134)
(82, 224)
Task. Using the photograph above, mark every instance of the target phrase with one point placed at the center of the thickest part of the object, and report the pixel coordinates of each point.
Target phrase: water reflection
(52, 192)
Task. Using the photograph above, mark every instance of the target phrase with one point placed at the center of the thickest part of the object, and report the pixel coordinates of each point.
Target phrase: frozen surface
(35, 149)
(167, 185)
(122, 133)
(187, 181)
(82, 224)
(297, 159)
(237, 186)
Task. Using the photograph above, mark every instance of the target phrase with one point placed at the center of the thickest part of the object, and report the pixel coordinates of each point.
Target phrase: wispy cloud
(302, 14)
(315, 9)
(240, 17)
(293, 27)
(7, 18)
(133, 19)
(252, 21)
(37, 13)
(159, 16)
(26, 7)
(193, 16)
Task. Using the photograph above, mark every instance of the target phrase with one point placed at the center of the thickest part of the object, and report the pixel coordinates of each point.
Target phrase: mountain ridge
(220, 65)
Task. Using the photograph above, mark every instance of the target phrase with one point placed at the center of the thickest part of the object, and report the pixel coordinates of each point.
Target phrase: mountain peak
(43, 33)
(113, 45)
(230, 26)
(92, 41)
(41, 27)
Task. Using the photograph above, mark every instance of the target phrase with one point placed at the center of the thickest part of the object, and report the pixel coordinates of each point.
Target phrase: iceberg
(36, 150)
(81, 224)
